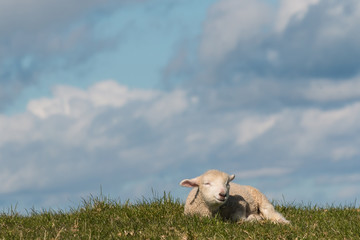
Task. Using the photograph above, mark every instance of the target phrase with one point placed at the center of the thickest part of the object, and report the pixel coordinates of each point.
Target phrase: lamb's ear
(190, 182)
(231, 177)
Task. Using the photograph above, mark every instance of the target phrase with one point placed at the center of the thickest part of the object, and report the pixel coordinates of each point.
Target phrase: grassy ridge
(162, 218)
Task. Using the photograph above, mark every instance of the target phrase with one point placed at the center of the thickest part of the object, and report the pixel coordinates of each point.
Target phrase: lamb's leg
(254, 218)
(241, 216)
(268, 212)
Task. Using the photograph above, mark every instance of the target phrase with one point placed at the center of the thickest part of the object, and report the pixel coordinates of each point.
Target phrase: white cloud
(165, 107)
(292, 10)
(109, 93)
(45, 27)
(344, 21)
(303, 41)
(251, 128)
(330, 122)
(109, 130)
(39, 15)
(229, 23)
(22, 179)
(263, 172)
(116, 133)
(67, 100)
(314, 133)
(332, 91)
(350, 179)
(15, 129)
(344, 153)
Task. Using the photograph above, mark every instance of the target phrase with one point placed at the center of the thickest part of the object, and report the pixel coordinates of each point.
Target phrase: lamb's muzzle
(222, 197)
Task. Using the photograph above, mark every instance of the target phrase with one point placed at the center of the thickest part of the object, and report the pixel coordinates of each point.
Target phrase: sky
(126, 98)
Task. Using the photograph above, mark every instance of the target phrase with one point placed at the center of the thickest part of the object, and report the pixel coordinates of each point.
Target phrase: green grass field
(162, 218)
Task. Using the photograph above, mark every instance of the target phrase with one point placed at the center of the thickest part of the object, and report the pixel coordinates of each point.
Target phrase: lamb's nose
(222, 195)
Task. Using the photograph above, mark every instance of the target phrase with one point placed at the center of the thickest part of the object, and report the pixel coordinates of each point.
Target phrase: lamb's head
(213, 186)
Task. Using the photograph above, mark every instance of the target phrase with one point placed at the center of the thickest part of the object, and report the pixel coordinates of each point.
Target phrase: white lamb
(213, 193)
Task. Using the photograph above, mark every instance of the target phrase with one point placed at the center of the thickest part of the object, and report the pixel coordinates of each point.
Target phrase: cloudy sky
(130, 97)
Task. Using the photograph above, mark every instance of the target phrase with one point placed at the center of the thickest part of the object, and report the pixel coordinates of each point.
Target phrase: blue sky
(134, 96)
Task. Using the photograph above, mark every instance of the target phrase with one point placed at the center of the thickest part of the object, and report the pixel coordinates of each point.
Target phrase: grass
(162, 218)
